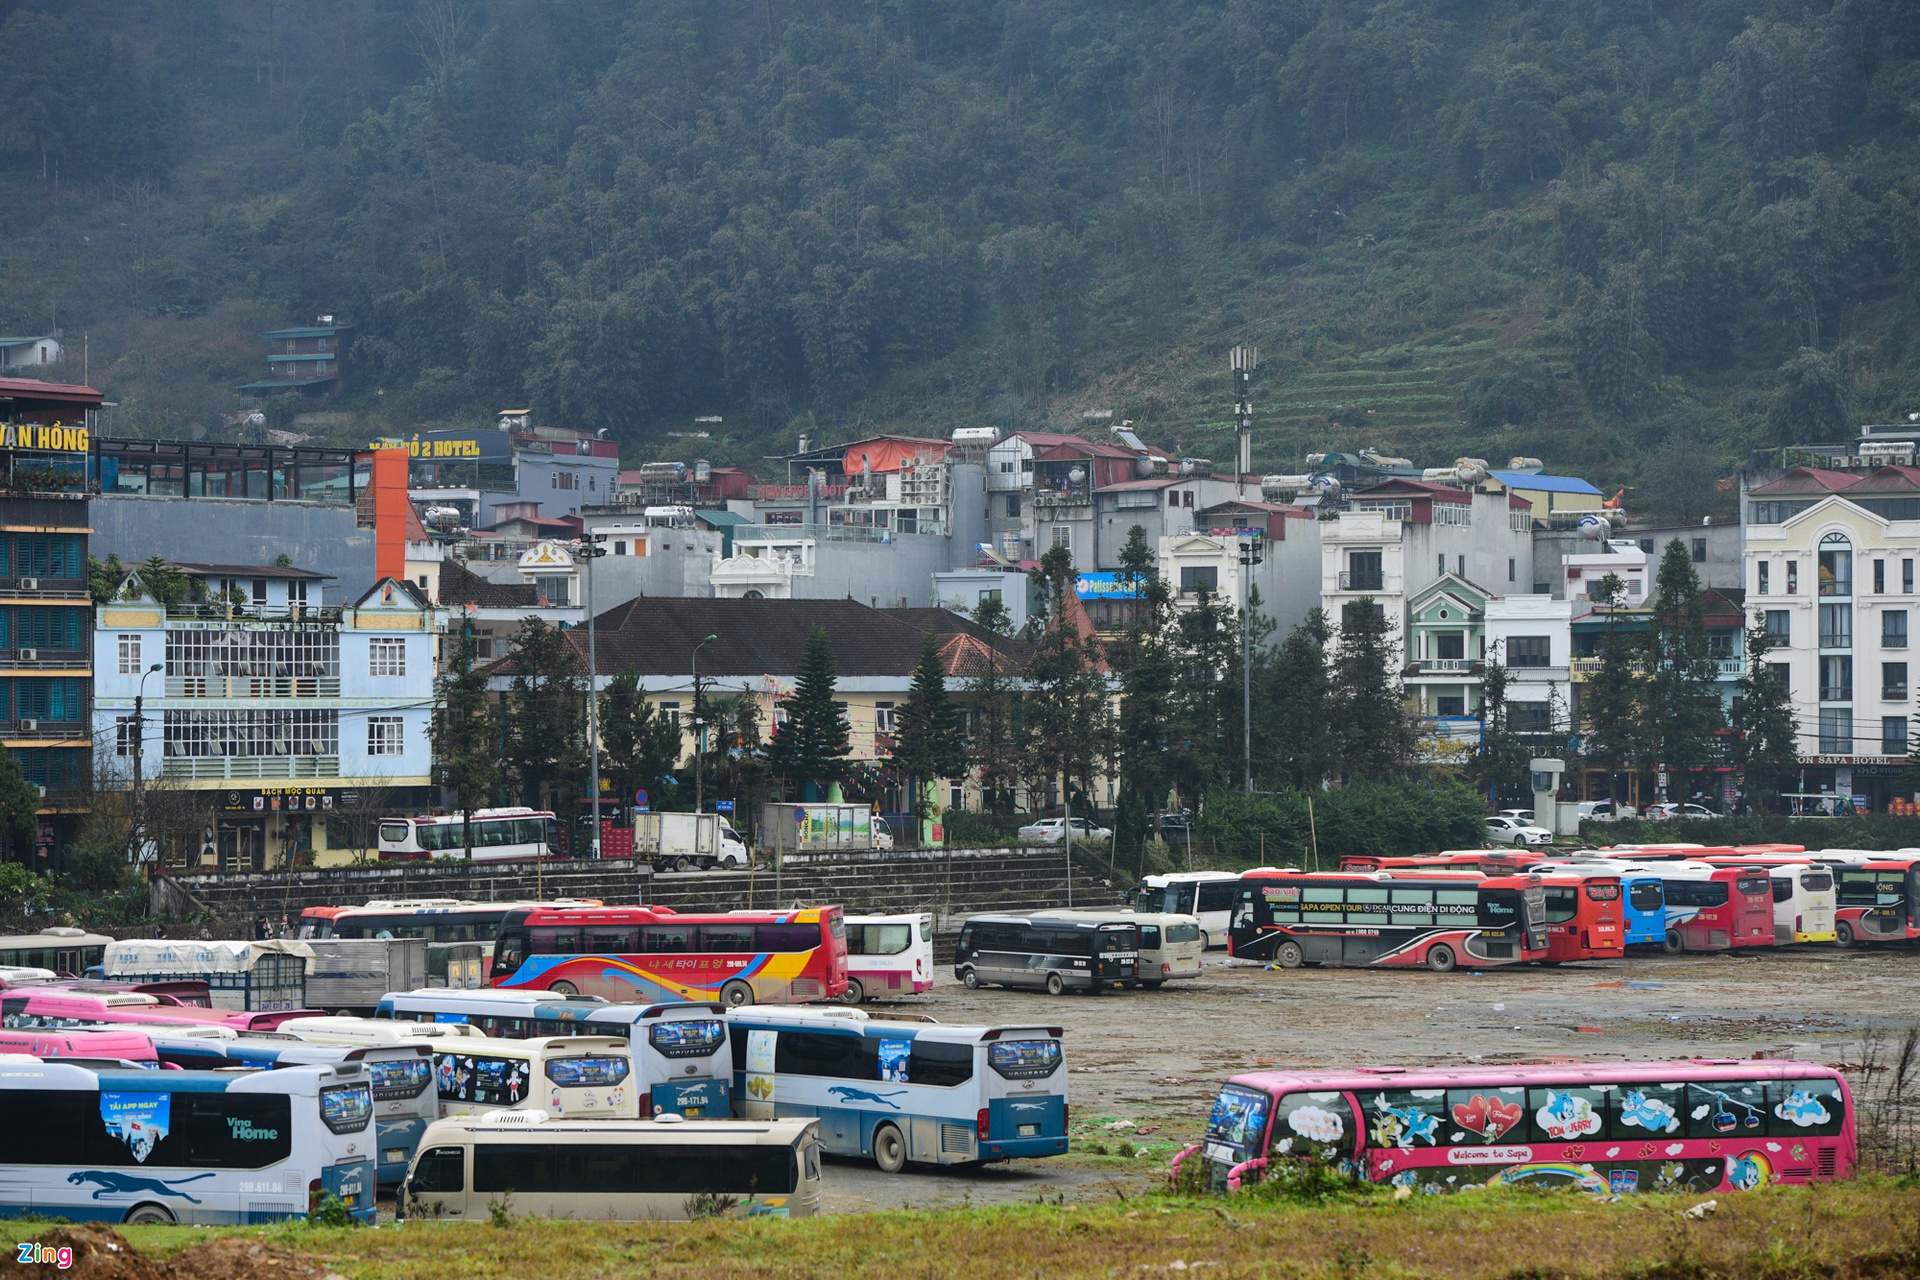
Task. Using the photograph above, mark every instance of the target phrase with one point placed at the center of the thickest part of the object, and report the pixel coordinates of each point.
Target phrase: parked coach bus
(888, 955)
(1875, 901)
(455, 930)
(576, 1076)
(1715, 908)
(1584, 917)
(1055, 955)
(66, 951)
(656, 954)
(1643, 895)
(1804, 900)
(1209, 895)
(1697, 1126)
(1291, 918)
(112, 1045)
(53, 1007)
(903, 1091)
(184, 1146)
(529, 1164)
(497, 835)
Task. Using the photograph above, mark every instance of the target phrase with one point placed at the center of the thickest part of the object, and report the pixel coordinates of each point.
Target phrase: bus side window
(1726, 1109)
(1563, 903)
(1217, 895)
(442, 1169)
(612, 939)
(1805, 1108)
(666, 939)
(726, 937)
(1484, 1115)
(1150, 937)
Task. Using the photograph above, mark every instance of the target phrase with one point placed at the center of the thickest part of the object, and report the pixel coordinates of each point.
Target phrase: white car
(1605, 811)
(1519, 815)
(1514, 831)
(1050, 831)
(1670, 811)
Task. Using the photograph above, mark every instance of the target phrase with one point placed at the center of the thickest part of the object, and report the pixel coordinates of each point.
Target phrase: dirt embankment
(89, 1252)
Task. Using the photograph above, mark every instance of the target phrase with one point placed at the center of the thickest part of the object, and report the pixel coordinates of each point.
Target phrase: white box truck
(683, 841)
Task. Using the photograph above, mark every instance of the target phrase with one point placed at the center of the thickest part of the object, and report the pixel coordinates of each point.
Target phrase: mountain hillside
(1635, 239)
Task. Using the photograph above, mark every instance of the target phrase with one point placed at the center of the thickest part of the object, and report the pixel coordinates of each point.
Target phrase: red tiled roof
(1808, 480)
(1425, 488)
(34, 389)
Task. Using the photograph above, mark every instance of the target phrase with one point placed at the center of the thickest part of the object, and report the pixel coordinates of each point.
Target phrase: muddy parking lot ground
(1144, 1065)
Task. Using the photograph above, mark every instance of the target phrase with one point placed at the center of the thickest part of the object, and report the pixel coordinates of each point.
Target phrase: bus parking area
(1145, 1065)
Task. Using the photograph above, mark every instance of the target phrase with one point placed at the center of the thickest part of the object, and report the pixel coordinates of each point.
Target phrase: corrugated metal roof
(1545, 484)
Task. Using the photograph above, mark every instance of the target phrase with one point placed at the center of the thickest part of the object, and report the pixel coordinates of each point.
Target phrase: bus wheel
(1671, 944)
(854, 993)
(736, 995)
(1206, 940)
(1440, 958)
(566, 989)
(889, 1149)
(1055, 984)
(1290, 955)
(970, 979)
(1843, 934)
(148, 1215)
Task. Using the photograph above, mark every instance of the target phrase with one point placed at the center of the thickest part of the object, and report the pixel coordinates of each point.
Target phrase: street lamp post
(699, 754)
(591, 550)
(139, 749)
(1251, 554)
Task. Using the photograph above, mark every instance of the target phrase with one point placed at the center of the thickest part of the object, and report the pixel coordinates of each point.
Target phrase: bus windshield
(1646, 895)
(1500, 909)
(1238, 1120)
(1754, 884)
(1114, 940)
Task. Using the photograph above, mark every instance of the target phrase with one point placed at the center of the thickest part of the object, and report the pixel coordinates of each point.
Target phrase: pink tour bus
(120, 1046)
(1697, 1125)
(54, 1007)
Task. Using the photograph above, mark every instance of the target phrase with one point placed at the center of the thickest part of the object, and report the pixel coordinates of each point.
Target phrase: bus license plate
(1029, 1130)
(394, 1155)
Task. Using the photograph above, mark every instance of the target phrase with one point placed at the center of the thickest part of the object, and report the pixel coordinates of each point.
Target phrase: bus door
(683, 1062)
(1024, 1111)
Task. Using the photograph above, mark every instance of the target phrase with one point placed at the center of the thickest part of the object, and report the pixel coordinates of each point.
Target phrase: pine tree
(1206, 696)
(19, 806)
(811, 744)
(1146, 696)
(545, 755)
(1765, 741)
(466, 736)
(994, 699)
(927, 744)
(640, 747)
(1064, 724)
(1298, 706)
(1682, 705)
(1500, 768)
(1610, 699)
(1375, 733)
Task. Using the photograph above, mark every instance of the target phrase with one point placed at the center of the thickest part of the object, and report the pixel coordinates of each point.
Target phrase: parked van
(535, 1165)
(1170, 945)
(1021, 951)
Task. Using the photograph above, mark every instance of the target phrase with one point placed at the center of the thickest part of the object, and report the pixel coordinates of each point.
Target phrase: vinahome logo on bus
(243, 1131)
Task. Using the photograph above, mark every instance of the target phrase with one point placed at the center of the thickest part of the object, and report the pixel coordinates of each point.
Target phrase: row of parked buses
(1481, 908)
(454, 1095)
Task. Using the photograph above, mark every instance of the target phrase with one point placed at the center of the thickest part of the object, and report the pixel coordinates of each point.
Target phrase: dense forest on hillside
(1633, 238)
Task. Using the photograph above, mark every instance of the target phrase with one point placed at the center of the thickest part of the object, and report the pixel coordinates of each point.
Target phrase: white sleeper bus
(903, 1091)
(572, 1076)
(1208, 895)
(613, 1171)
(497, 835)
(184, 1146)
(888, 956)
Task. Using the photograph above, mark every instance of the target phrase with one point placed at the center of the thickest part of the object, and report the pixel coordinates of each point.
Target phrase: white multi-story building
(286, 712)
(1830, 565)
(1401, 536)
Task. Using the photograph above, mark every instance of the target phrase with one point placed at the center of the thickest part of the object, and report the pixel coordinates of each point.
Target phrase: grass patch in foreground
(1867, 1228)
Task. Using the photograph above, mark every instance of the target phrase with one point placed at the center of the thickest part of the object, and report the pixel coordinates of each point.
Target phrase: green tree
(545, 749)
(19, 808)
(1812, 403)
(1297, 706)
(1500, 767)
(1765, 743)
(1375, 733)
(993, 696)
(1206, 695)
(640, 747)
(167, 585)
(22, 895)
(1064, 713)
(1611, 699)
(927, 743)
(466, 735)
(737, 761)
(810, 746)
(105, 577)
(1147, 696)
(1682, 702)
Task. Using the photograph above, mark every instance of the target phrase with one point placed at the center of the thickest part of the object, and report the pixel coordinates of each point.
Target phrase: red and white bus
(1584, 916)
(21, 1007)
(657, 954)
(1489, 861)
(1291, 918)
(1716, 908)
(1697, 1126)
(1877, 900)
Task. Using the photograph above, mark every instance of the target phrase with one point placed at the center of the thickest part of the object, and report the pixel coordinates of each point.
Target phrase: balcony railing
(255, 613)
(1435, 666)
(1836, 586)
(1080, 496)
(1731, 667)
(45, 659)
(50, 730)
(1836, 693)
(1361, 581)
(44, 588)
(220, 768)
(253, 686)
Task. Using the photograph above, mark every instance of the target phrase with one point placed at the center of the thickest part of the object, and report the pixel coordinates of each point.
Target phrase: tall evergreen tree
(1682, 706)
(640, 747)
(1500, 767)
(1064, 721)
(993, 696)
(1298, 729)
(19, 808)
(811, 744)
(1375, 732)
(1611, 698)
(545, 754)
(1146, 696)
(1765, 742)
(466, 736)
(1206, 695)
(927, 744)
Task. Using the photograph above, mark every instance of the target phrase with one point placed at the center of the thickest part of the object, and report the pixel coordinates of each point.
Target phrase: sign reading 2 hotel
(53, 439)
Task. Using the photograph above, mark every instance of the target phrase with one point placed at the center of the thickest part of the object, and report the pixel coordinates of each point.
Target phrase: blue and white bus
(400, 1075)
(210, 1147)
(902, 1092)
(681, 1062)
